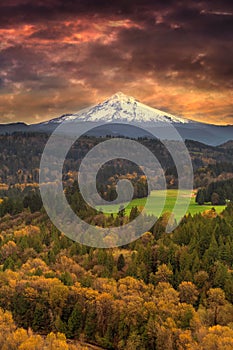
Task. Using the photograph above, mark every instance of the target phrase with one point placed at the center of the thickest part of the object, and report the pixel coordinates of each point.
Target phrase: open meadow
(157, 197)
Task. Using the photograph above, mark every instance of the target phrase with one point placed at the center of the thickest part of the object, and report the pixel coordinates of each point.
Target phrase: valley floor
(154, 204)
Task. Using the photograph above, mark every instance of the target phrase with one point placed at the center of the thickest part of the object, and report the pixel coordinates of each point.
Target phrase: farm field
(155, 200)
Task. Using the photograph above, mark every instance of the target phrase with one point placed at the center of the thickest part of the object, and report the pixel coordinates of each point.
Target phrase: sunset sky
(60, 56)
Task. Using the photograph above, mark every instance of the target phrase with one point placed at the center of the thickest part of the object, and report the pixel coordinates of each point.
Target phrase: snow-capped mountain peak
(122, 108)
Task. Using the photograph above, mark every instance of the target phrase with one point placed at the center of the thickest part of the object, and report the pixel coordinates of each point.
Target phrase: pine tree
(120, 262)
(75, 322)
(200, 197)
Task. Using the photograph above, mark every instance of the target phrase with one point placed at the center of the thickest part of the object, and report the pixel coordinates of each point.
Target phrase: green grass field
(171, 195)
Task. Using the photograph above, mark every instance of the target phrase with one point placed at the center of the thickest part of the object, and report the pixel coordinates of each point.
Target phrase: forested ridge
(163, 291)
(20, 155)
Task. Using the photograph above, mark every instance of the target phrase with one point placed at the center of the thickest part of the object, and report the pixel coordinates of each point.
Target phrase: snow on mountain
(121, 108)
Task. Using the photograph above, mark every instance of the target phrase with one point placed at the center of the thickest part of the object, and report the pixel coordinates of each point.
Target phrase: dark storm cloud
(30, 12)
(203, 22)
(21, 64)
(161, 49)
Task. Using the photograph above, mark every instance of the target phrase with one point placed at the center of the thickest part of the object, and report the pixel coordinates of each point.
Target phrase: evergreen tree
(120, 262)
(75, 322)
(200, 197)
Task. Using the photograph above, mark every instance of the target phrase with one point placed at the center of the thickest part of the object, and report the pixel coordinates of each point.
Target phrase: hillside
(177, 285)
(20, 155)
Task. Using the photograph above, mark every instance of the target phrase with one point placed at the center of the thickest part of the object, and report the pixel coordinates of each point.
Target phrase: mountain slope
(120, 108)
(124, 109)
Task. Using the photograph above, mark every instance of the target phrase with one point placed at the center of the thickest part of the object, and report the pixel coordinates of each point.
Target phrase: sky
(59, 56)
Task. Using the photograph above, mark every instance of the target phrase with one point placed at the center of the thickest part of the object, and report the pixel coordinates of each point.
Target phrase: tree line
(218, 193)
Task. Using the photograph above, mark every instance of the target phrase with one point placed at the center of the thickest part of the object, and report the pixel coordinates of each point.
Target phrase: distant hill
(227, 145)
(13, 127)
(20, 155)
